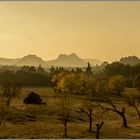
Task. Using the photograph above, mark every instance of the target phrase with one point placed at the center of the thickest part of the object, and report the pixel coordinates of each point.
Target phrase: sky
(105, 30)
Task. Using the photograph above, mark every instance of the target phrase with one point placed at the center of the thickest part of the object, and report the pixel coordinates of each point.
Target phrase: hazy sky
(102, 30)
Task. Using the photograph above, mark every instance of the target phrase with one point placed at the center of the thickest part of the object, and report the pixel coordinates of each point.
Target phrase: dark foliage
(27, 76)
(137, 82)
(129, 72)
(88, 69)
(33, 98)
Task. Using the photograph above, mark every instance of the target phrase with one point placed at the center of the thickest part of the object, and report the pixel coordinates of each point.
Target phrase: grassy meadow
(43, 121)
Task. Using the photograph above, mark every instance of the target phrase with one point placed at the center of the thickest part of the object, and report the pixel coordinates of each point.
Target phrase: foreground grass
(42, 121)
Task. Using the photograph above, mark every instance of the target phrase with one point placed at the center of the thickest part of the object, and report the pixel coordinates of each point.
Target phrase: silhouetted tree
(88, 110)
(40, 69)
(88, 69)
(113, 108)
(98, 127)
(78, 70)
(52, 70)
(32, 69)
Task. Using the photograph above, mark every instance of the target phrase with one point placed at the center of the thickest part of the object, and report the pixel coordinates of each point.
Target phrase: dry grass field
(42, 121)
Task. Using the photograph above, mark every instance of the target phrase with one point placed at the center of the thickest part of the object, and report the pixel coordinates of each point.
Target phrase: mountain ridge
(71, 60)
(30, 60)
(64, 60)
(131, 60)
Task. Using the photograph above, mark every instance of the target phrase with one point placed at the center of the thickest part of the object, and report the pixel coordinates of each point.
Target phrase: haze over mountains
(71, 60)
(131, 60)
(30, 60)
(7, 61)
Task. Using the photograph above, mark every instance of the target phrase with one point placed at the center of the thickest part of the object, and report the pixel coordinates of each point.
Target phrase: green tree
(70, 82)
(116, 84)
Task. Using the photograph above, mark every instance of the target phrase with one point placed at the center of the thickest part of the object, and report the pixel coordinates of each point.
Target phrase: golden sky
(103, 30)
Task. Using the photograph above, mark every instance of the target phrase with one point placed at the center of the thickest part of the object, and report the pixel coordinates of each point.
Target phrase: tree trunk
(90, 124)
(138, 112)
(97, 134)
(89, 114)
(8, 102)
(65, 129)
(124, 121)
(90, 121)
(98, 127)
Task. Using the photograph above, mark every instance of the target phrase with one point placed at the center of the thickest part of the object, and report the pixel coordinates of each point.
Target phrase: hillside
(6, 61)
(64, 60)
(30, 60)
(71, 60)
(131, 60)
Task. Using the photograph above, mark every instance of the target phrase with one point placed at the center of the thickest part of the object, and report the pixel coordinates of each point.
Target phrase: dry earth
(42, 121)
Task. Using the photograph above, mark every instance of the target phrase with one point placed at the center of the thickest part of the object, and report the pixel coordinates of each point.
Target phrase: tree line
(38, 76)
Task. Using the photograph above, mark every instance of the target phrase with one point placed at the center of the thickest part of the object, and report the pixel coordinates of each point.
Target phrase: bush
(33, 98)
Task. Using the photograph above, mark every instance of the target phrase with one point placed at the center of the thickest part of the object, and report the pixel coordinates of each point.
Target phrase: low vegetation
(33, 98)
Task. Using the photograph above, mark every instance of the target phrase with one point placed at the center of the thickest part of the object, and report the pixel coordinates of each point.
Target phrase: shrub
(33, 98)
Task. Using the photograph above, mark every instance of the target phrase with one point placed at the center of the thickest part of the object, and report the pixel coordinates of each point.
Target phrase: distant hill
(131, 60)
(30, 60)
(71, 60)
(64, 60)
(6, 61)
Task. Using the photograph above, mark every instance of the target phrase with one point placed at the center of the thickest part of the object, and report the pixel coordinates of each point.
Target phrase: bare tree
(134, 102)
(98, 127)
(65, 109)
(10, 90)
(3, 107)
(88, 110)
(113, 108)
